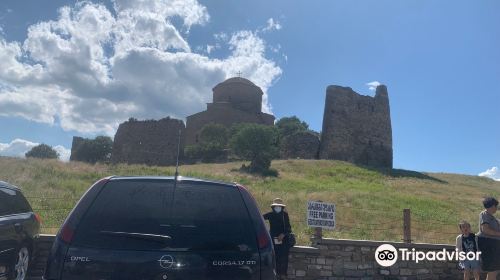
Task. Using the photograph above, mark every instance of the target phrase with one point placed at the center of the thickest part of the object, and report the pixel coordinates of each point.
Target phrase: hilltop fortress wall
(151, 142)
(357, 128)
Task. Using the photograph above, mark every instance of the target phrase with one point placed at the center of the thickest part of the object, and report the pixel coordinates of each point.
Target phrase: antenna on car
(176, 172)
(177, 161)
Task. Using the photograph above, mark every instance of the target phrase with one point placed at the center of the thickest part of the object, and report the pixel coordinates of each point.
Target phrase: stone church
(154, 142)
(236, 100)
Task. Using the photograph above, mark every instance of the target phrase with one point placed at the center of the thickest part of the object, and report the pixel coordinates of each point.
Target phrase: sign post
(320, 215)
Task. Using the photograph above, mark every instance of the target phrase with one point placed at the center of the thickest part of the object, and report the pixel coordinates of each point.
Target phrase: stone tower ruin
(151, 142)
(357, 128)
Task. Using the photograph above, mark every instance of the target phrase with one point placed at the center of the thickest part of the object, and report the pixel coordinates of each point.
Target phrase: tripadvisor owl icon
(386, 255)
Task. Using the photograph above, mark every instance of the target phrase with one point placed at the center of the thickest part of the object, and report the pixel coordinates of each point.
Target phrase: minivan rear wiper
(137, 235)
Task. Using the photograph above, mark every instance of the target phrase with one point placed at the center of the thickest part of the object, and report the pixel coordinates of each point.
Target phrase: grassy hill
(369, 202)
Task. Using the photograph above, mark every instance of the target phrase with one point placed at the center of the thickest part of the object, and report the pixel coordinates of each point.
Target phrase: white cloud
(221, 36)
(19, 147)
(92, 68)
(248, 58)
(210, 48)
(190, 11)
(493, 173)
(373, 85)
(272, 25)
(64, 153)
(16, 148)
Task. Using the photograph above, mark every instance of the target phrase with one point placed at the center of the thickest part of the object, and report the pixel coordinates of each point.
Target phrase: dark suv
(19, 230)
(150, 228)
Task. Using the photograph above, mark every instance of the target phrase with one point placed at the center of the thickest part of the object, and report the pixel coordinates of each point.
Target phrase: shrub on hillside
(256, 143)
(42, 151)
(290, 125)
(94, 150)
(212, 144)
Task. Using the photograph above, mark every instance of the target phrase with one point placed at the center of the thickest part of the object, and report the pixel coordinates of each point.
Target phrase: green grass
(369, 202)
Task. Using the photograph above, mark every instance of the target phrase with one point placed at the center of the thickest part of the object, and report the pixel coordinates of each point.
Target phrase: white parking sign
(321, 214)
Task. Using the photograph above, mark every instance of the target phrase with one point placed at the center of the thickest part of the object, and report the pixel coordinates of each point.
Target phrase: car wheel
(22, 264)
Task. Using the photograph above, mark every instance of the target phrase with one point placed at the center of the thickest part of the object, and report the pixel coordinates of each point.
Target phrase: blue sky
(439, 59)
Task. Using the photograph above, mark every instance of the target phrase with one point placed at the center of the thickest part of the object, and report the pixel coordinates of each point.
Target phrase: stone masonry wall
(151, 142)
(221, 113)
(332, 259)
(303, 145)
(357, 128)
(77, 142)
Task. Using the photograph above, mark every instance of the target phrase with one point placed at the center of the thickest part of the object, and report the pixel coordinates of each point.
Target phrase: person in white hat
(280, 227)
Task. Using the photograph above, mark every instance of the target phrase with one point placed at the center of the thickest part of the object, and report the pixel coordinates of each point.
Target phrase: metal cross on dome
(239, 73)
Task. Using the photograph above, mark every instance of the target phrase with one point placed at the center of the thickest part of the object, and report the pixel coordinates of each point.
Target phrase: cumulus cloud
(16, 148)
(19, 147)
(272, 25)
(64, 153)
(373, 85)
(92, 68)
(493, 173)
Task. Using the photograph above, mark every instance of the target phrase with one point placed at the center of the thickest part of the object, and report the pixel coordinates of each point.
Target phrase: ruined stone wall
(357, 128)
(303, 145)
(151, 142)
(75, 145)
(225, 114)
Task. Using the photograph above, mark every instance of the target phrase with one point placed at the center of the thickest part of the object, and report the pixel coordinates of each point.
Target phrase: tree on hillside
(290, 125)
(212, 144)
(94, 150)
(42, 151)
(256, 143)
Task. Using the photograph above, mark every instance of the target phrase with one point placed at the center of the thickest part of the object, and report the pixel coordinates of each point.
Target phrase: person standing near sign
(489, 238)
(280, 227)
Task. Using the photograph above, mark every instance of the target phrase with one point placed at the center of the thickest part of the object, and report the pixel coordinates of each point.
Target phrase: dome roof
(238, 80)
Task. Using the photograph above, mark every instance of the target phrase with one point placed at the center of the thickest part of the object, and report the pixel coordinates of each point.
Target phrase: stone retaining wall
(332, 259)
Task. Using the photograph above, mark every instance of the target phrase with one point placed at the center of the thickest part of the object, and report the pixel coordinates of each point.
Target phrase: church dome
(240, 92)
(236, 80)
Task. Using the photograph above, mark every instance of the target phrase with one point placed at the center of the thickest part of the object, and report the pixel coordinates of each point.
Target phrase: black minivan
(162, 228)
(19, 230)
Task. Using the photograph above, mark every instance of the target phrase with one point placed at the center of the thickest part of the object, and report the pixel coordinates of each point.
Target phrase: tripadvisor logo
(387, 255)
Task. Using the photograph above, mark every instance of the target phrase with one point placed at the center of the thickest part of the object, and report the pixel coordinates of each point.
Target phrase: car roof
(8, 186)
(172, 178)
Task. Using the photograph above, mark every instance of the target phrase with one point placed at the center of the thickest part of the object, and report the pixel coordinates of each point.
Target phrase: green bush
(42, 151)
(290, 125)
(212, 146)
(94, 150)
(256, 143)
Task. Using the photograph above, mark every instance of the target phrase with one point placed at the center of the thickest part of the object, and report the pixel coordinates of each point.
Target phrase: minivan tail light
(38, 218)
(67, 233)
(263, 240)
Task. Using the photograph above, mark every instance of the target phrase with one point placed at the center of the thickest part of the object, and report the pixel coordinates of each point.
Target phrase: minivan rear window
(200, 216)
(12, 202)
(211, 217)
(133, 206)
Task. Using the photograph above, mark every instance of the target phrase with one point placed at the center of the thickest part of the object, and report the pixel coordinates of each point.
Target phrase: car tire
(21, 264)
